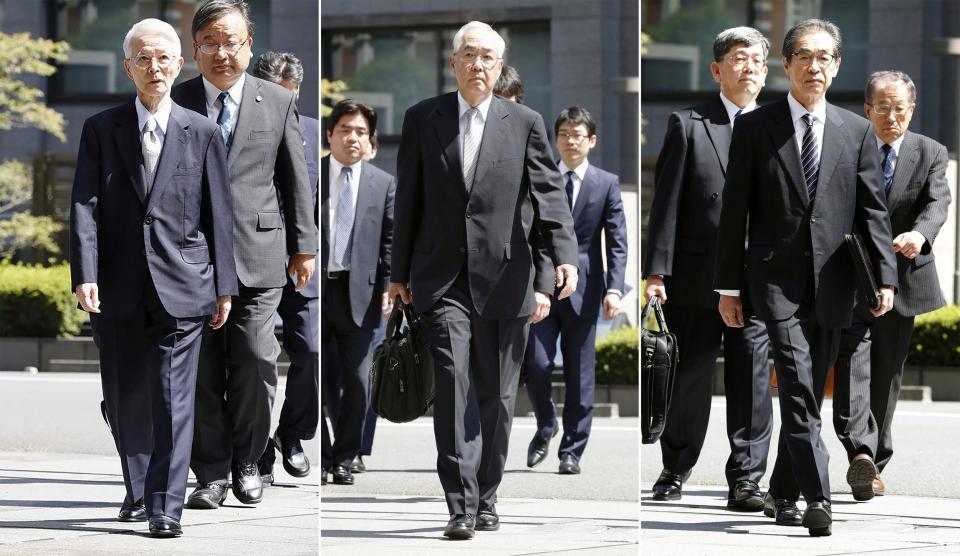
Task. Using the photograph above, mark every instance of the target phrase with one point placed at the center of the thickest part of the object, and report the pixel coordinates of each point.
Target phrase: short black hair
(349, 107)
(509, 84)
(576, 115)
(215, 9)
(277, 66)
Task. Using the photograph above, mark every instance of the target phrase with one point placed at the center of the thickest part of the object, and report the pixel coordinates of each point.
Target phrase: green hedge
(936, 338)
(37, 301)
(617, 361)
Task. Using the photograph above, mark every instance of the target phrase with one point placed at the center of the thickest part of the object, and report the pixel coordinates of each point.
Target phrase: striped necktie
(810, 156)
(471, 145)
(887, 167)
(344, 225)
(151, 146)
(223, 120)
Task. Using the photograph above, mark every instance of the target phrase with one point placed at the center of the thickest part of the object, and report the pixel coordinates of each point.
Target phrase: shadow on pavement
(366, 499)
(397, 534)
(70, 525)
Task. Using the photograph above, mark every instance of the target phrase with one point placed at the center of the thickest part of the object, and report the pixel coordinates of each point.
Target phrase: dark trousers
(236, 386)
(803, 351)
(577, 336)
(333, 390)
(746, 380)
(148, 362)
(477, 367)
(867, 379)
(300, 412)
(339, 333)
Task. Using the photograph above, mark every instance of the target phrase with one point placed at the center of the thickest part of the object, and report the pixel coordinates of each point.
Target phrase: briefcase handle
(654, 303)
(400, 311)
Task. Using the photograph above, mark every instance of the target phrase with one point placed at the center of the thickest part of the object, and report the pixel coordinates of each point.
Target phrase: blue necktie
(887, 167)
(810, 157)
(570, 189)
(223, 120)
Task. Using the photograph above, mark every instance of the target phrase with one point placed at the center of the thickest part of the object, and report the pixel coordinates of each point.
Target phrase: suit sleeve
(737, 192)
(669, 179)
(871, 212)
(216, 216)
(615, 230)
(936, 198)
(545, 276)
(386, 233)
(408, 202)
(294, 185)
(551, 212)
(84, 211)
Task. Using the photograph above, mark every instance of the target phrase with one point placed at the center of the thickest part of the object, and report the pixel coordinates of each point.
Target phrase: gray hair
(155, 26)
(215, 9)
(499, 46)
(880, 78)
(806, 26)
(729, 38)
(277, 66)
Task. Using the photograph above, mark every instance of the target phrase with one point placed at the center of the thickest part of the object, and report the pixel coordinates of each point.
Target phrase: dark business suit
(684, 218)
(872, 351)
(598, 211)
(239, 361)
(466, 255)
(799, 273)
(160, 254)
(351, 305)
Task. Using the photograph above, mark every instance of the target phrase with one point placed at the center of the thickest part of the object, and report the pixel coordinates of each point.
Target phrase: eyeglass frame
(221, 46)
(740, 61)
(577, 139)
(883, 110)
(833, 58)
(461, 56)
(150, 60)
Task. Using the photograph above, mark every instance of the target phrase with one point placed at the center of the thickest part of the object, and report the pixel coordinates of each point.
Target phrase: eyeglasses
(577, 138)
(807, 57)
(143, 61)
(740, 61)
(470, 58)
(230, 48)
(884, 109)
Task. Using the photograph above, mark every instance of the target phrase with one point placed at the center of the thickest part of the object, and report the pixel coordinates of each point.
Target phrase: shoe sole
(860, 477)
(818, 522)
(459, 534)
(339, 482)
(204, 504)
(568, 472)
(131, 519)
(752, 504)
(165, 534)
(294, 472)
(666, 497)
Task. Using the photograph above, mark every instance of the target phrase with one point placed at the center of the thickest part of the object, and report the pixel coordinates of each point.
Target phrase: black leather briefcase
(401, 378)
(658, 371)
(866, 281)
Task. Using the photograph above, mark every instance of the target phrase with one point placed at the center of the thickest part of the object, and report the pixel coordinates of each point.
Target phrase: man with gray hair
(151, 236)
(684, 218)
(873, 349)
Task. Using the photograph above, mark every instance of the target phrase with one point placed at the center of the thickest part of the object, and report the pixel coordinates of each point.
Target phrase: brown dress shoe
(860, 476)
(878, 487)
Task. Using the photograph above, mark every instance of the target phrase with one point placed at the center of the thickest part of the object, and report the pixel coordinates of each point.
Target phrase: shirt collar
(732, 108)
(896, 144)
(580, 170)
(236, 90)
(161, 115)
(336, 167)
(797, 110)
(463, 106)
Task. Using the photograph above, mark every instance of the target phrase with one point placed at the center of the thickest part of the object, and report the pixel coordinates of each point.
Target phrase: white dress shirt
(578, 173)
(162, 115)
(462, 107)
(732, 108)
(236, 95)
(334, 181)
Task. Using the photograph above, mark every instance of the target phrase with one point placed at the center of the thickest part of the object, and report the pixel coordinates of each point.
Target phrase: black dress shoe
(460, 527)
(745, 497)
(569, 465)
(207, 497)
(163, 526)
(247, 485)
(295, 462)
(488, 519)
(817, 518)
(132, 512)
(538, 448)
(784, 511)
(669, 485)
(357, 466)
(342, 475)
(860, 476)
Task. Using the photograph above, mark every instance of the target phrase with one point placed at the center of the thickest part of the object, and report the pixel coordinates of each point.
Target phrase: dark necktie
(223, 120)
(887, 167)
(810, 157)
(737, 115)
(570, 189)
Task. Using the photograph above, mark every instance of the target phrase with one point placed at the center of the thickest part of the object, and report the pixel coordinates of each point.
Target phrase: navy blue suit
(160, 256)
(598, 211)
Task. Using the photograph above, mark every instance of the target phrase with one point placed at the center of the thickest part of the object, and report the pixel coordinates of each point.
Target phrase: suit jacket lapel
(906, 163)
(250, 112)
(447, 127)
(364, 200)
(127, 140)
(324, 210)
(783, 136)
(495, 133)
(716, 123)
(177, 135)
(586, 191)
(196, 98)
(834, 140)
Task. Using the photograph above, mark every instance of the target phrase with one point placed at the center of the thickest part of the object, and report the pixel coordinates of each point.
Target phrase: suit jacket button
(714, 196)
(806, 253)
(813, 220)
(148, 220)
(469, 214)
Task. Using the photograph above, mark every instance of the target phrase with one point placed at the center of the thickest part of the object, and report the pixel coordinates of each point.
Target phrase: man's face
(350, 139)
(741, 71)
(574, 143)
(150, 52)
(221, 68)
(470, 64)
(812, 65)
(890, 111)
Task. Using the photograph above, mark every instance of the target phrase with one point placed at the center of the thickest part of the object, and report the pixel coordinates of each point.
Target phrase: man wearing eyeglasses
(474, 179)
(151, 258)
(803, 173)
(873, 349)
(678, 268)
(237, 380)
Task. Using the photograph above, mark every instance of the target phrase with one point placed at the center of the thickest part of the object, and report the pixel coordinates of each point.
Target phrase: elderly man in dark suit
(475, 178)
(237, 379)
(679, 262)
(873, 350)
(800, 204)
(151, 258)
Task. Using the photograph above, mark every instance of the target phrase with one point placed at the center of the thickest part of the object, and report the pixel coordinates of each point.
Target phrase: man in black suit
(475, 178)
(237, 378)
(679, 261)
(873, 350)
(151, 257)
(298, 308)
(800, 205)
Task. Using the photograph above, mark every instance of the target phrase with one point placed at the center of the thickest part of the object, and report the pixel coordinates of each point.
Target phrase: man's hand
(303, 265)
(224, 304)
(655, 287)
(611, 306)
(386, 304)
(886, 300)
(909, 244)
(401, 289)
(731, 310)
(89, 297)
(566, 280)
(543, 307)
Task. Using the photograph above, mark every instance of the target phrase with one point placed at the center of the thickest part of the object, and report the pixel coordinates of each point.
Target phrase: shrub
(37, 301)
(617, 361)
(936, 338)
